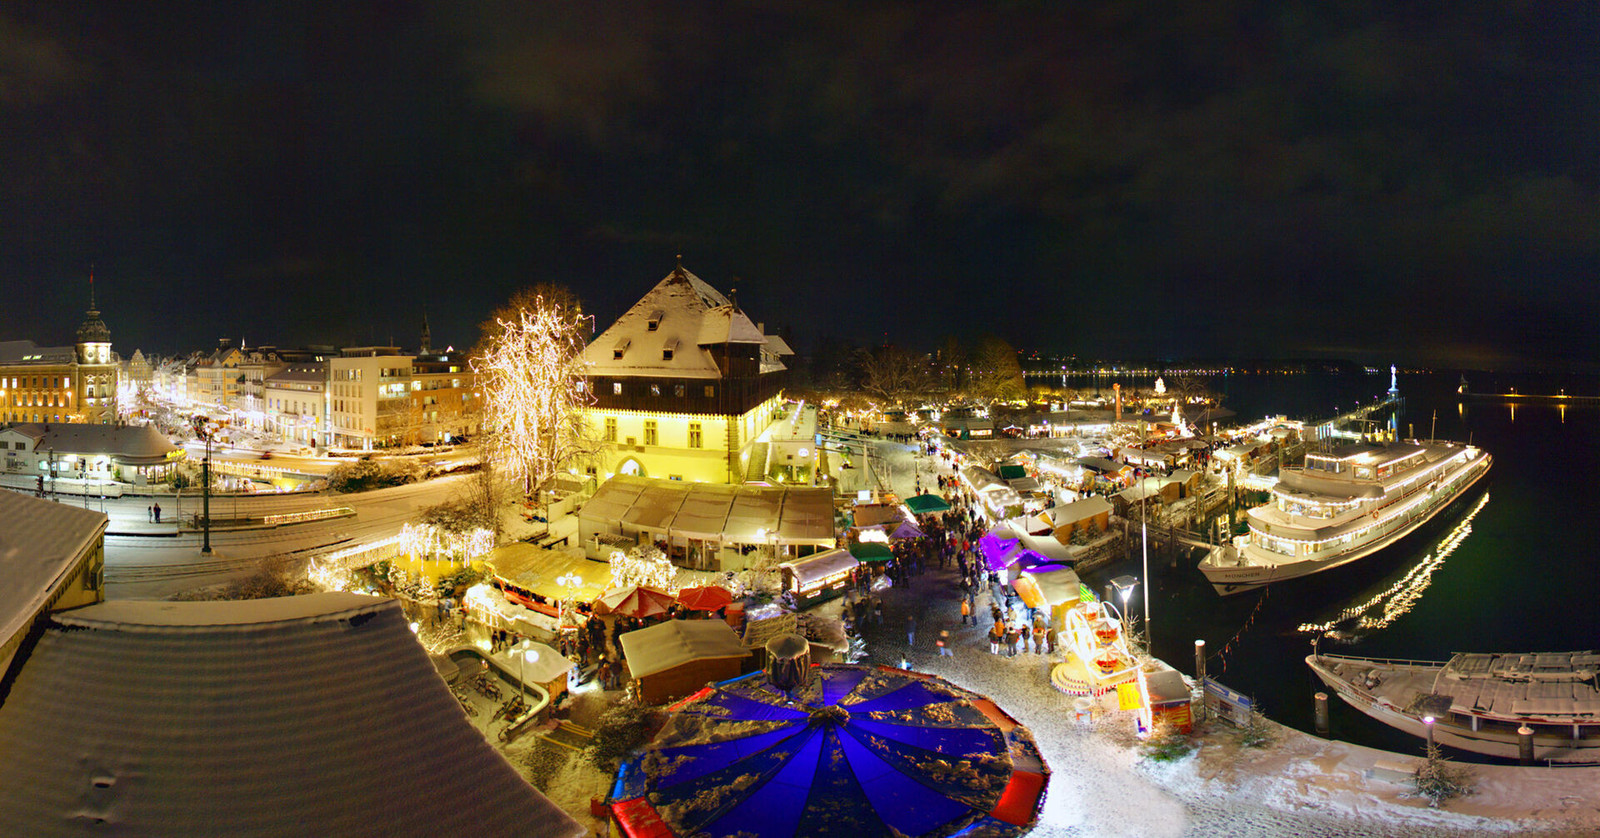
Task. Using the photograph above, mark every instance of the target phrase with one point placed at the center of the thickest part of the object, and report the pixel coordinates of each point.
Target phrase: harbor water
(1509, 567)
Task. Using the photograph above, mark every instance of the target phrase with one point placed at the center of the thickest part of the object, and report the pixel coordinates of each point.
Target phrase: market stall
(818, 577)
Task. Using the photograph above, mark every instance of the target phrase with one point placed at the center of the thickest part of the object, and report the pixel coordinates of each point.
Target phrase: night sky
(1408, 181)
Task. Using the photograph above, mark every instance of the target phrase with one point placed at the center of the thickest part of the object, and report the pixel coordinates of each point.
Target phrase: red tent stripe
(1020, 799)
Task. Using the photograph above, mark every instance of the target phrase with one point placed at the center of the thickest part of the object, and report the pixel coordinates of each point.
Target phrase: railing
(1382, 661)
(307, 515)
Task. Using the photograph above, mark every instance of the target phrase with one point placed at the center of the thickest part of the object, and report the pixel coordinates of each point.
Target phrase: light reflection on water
(1384, 607)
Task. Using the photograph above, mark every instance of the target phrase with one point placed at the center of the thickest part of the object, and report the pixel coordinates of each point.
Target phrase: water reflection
(1388, 605)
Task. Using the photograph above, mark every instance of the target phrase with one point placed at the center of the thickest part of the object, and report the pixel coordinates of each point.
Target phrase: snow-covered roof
(1078, 510)
(746, 514)
(313, 715)
(821, 565)
(28, 352)
(673, 643)
(667, 332)
(40, 541)
(127, 444)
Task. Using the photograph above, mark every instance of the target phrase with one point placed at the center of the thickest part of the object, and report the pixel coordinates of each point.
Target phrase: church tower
(96, 384)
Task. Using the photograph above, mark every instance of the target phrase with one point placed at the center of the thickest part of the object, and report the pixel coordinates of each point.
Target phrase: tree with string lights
(533, 390)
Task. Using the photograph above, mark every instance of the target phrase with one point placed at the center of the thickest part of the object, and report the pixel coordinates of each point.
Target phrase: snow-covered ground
(1298, 785)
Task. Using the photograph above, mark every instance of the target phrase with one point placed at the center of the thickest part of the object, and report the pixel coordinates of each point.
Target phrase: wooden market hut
(674, 658)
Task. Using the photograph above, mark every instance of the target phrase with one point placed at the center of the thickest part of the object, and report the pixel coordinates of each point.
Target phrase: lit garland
(532, 400)
(426, 540)
(647, 568)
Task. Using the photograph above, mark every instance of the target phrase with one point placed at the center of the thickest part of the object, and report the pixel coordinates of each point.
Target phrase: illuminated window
(611, 429)
(616, 388)
(650, 432)
(677, 390)
(655, 389)
(694, 435)
(711, 391)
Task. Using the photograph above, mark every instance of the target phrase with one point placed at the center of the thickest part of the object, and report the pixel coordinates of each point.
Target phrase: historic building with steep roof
(75, 383)
(683, 383)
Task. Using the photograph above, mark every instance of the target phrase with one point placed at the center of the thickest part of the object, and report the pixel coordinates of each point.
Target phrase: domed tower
(94, 339)
(96, 384)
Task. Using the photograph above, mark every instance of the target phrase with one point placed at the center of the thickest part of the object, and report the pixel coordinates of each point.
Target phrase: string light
(532, 400)
(646, 568)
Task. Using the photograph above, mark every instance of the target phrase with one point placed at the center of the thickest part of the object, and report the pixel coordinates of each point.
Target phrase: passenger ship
(1477, 702)
(1342, 506)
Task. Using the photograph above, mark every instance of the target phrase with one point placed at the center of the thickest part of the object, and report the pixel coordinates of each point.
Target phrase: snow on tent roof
(1057, 586)
(39, 541)
(672, 643)
(312, 715)
(703, 510)
(858, 751)
(821, 565)
(806, 517)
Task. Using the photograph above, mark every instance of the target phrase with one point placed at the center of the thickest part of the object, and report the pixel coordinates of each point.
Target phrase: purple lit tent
(858, 751)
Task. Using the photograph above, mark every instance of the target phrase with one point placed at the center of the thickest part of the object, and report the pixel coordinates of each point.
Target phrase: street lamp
(202, 430)
(1427, 726)
(1124, 586)
(1144, 546)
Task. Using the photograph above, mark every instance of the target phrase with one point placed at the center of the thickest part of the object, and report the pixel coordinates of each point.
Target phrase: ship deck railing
(1381, 661)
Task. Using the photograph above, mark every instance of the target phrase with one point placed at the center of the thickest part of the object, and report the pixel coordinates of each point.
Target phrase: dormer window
(668, 350)
(619, 349)
(654, 322)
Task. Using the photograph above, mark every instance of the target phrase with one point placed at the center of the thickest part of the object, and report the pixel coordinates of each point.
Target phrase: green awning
(1012, 472)
(923, 504)
(871, 551)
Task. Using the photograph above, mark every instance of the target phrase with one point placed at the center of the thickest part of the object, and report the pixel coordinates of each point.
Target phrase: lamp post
(1144, 546)
(1124, 586)
(201, 430)
(1427, 727)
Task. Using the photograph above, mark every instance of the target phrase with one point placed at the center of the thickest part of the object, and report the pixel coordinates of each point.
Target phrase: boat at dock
(1342, 506)
(1478, 701)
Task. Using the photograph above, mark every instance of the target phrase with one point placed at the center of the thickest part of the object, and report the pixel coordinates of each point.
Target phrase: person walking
(997, 633)
(944, 644)
(1040, 629)
(1022, 636)
(966, 613)
(911, 630)
(157, 508)
(150, 514)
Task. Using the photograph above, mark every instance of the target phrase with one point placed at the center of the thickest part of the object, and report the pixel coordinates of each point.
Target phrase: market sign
(1223, 702)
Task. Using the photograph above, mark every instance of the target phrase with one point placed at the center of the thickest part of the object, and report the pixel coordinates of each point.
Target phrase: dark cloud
(1104, 178)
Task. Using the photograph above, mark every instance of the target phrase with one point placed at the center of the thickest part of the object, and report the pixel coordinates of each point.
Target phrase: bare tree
(893, 374)
(996, 374)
